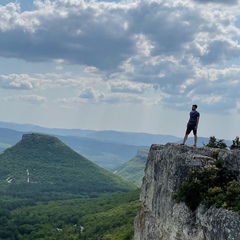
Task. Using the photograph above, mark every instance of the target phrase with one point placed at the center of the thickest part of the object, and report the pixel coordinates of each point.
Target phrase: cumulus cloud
(183, 49)
(15, 81)
(220, 50)
(104, 35)
(44, 81)
(57, 31)
(90, 93)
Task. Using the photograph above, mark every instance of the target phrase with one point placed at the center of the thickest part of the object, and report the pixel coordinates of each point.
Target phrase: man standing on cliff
(192, 125)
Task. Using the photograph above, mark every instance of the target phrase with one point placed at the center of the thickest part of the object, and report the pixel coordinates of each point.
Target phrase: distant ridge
(40, 165)
(109, 149)
(129, 138)
(9, 137)
(132, 138)
(133, 170)
(54, 131)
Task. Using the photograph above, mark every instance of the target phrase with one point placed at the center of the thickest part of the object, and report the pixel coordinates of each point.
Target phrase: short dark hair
(195, 105)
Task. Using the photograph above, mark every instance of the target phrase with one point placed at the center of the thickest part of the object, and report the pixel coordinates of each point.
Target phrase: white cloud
(46, 81)
(58, 31)
(32, 99)
(212, 99)
(14, 81)
(90, 93)
(220, 50)
(165, 53)
(129, 87)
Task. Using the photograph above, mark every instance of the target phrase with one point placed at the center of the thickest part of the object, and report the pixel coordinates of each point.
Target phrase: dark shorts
(191, 128)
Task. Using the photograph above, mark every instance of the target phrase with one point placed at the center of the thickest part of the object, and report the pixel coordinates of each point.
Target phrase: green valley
(107, 218)
(133, 170)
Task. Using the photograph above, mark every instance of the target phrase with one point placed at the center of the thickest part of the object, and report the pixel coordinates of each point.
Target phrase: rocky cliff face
(161, 218)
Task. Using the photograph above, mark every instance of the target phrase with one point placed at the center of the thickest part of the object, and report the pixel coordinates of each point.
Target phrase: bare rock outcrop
(161, 217)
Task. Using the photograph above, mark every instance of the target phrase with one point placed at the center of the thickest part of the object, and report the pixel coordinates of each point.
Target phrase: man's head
(194, 107)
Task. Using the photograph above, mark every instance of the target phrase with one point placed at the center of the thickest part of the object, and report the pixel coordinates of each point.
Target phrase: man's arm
(197, 122)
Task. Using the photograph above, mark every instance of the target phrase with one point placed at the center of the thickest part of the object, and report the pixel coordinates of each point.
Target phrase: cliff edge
(161, 217)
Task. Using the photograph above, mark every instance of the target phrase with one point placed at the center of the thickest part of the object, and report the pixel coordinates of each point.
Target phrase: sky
(131, 65)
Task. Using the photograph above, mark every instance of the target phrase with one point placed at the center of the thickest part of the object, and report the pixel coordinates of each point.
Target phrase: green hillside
(133, 170)
(42, 166)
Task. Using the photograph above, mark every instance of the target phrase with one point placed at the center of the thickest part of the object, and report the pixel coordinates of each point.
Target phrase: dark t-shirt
(193, 117)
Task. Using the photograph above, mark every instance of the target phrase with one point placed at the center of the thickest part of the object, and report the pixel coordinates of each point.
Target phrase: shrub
(236, 144)
(213, 185)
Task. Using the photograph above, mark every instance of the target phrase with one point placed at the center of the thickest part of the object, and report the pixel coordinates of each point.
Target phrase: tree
(221, 144)
(236, 144)
(214, 143)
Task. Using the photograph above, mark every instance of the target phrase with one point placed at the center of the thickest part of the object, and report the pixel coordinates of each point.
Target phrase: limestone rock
(161, 218)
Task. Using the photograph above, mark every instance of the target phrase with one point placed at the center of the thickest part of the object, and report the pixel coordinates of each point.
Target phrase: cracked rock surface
(161, 218)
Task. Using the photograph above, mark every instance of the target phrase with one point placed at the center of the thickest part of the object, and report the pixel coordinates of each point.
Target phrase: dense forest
(105, 218)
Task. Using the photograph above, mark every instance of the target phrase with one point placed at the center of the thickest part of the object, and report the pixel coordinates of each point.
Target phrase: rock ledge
(161, 218)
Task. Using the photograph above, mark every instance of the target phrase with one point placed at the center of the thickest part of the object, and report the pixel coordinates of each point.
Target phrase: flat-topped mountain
(41, 165)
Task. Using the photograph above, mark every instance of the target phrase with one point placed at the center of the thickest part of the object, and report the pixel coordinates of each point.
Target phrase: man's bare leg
(195, 140)
(185, 139)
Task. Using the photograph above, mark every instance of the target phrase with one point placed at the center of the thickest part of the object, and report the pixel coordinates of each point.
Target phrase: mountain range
(108, 149)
